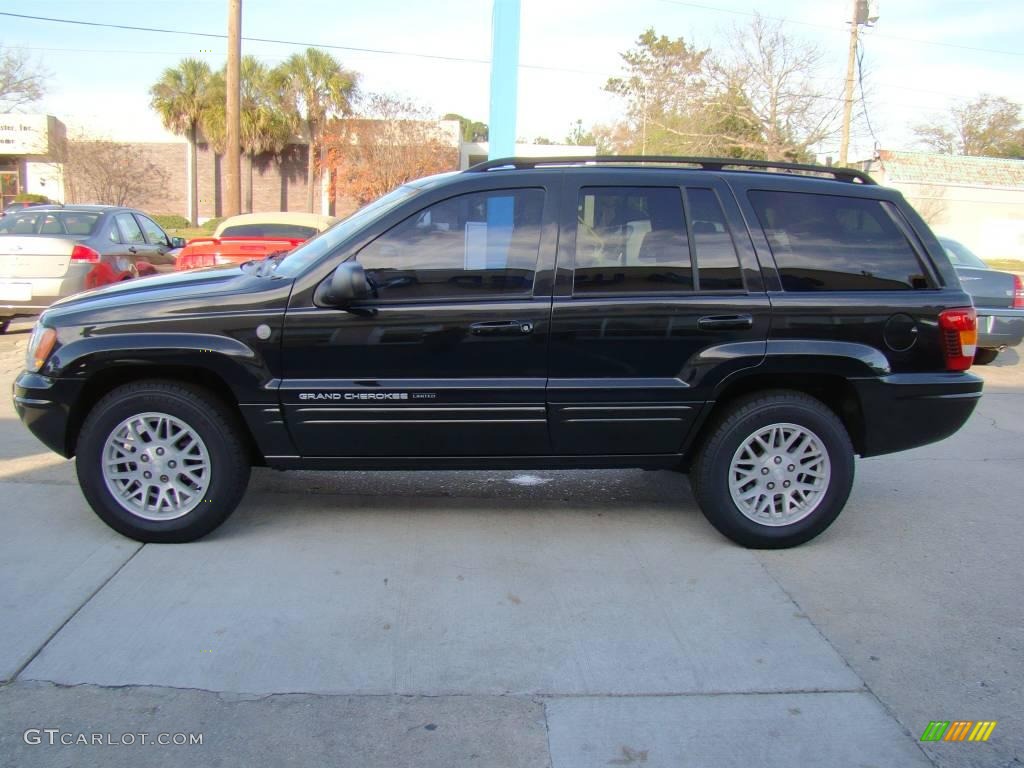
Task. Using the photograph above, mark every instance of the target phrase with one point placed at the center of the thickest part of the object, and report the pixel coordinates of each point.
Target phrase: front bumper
(907, 410)
(44, 406)
(1000, 327)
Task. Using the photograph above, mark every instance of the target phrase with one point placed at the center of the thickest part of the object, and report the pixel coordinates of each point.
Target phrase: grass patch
(1006, 265)
(189, 232)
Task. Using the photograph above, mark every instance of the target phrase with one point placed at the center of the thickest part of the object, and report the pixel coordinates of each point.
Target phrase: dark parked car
(48, 253)
(756, 329)
(998, 298)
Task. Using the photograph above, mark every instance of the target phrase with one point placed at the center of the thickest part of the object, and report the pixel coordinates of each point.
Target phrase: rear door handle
(725, 322)
(502, 328)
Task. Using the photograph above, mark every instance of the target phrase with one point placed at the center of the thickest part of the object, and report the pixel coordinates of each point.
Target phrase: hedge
(172, 221)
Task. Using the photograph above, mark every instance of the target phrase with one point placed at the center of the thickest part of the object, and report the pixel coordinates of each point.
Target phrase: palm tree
(181, 97)
(265, 125)
(315, 87)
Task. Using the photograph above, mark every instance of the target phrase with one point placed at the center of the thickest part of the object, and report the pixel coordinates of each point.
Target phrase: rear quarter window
(836, 243)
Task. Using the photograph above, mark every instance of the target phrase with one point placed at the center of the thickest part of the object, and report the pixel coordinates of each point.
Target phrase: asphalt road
(562, 619)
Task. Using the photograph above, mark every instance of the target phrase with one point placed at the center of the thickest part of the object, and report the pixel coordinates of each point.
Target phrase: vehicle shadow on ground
(1007, 359)
(608, 497)
(279, 498)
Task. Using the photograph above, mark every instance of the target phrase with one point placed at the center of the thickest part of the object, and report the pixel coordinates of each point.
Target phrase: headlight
(39, 347)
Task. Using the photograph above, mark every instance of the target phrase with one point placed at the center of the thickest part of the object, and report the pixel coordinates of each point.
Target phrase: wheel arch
(834, 391)
(104, 380)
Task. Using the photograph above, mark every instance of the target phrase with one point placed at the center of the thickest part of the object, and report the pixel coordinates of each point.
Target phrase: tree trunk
(310, 171)
(193, 172)
(250, 158)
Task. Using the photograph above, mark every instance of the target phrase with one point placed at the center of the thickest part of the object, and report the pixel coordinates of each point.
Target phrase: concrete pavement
(543, 618)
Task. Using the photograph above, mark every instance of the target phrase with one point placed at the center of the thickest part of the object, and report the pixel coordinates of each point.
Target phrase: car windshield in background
(52, 223)
(961, 255)
(290, 231)
(313, 250)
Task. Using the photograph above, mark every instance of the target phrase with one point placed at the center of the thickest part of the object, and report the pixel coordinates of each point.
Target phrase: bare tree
(986, 126)
(390, 142)
(930, 203)
(767, 93)
(762, 99)
(110, 173)
(22, 81)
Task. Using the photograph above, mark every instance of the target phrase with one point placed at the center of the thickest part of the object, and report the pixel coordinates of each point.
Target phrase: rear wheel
(161, 461)
(984, 355)
(5, 323)
(775, 470)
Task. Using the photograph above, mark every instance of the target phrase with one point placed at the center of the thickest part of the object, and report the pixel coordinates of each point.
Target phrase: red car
(251, 236)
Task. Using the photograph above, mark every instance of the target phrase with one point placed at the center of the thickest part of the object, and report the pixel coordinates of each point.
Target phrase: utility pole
(862, 14)
(233, 187)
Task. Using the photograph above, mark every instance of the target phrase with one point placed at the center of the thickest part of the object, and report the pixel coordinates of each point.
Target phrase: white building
(30, 152)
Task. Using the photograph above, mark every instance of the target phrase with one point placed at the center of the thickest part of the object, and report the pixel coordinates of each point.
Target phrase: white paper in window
(476, 245)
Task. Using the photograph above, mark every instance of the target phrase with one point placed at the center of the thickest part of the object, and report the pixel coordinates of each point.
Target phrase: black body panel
(548, 377)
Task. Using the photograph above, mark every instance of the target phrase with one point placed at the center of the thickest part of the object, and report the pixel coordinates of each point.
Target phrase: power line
(917, 41)
(164, 30)
(863, 100)
(351, 48)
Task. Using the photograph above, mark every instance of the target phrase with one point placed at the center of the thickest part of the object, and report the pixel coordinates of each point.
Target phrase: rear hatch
(31, 257)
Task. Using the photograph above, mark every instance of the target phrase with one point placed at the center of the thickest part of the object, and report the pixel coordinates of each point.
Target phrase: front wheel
(775, 470)
(160, 461)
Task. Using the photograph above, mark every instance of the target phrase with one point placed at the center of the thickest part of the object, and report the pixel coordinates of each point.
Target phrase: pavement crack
(867, 688)
(49, 638)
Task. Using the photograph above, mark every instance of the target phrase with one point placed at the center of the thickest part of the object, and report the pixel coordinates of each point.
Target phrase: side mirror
(346, 284)
(177, 242)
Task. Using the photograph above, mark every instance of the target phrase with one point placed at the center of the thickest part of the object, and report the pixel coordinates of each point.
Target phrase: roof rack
(696, 163)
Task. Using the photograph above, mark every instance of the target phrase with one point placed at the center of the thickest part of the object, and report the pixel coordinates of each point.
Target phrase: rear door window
(641, 240)
(631, 240)
(836, 243)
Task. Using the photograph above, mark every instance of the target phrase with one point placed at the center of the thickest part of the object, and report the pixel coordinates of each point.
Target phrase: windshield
(313, 250)
(961, 255)
(58, 223)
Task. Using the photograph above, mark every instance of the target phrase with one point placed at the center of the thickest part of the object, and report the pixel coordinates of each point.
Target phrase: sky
(921, 56)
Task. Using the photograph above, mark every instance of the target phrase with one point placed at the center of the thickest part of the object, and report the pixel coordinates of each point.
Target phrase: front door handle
(502, 328)
(725, 322)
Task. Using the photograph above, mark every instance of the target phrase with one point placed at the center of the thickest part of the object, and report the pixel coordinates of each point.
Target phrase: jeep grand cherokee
(755, 324)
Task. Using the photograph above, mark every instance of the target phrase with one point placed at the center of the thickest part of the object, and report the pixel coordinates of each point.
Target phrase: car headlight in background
(40, 345)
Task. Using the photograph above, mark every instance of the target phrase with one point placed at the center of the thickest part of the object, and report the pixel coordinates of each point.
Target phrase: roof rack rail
(697, 163)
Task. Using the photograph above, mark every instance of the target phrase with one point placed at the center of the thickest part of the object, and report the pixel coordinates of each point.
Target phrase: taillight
(84, 253)
(1018, 292)
(959, 336)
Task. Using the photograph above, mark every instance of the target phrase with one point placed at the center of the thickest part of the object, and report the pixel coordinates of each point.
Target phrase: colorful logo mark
(958, 730)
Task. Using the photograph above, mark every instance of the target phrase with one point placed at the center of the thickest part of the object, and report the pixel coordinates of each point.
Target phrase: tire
(820, 445)
(186, 426)
(984, 355)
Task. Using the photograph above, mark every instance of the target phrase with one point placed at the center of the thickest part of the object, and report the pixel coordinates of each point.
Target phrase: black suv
(755, 324)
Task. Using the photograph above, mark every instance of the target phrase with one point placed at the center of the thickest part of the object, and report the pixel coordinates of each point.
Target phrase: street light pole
(233, 187)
